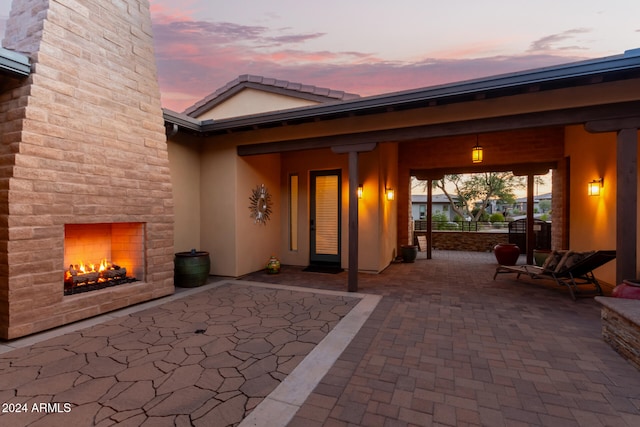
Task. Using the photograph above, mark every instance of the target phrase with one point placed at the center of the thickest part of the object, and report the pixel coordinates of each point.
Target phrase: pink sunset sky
(371, 47)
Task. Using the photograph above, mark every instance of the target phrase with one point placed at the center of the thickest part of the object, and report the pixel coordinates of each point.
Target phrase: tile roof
(299, 90)
(435, 198)
(545, 196)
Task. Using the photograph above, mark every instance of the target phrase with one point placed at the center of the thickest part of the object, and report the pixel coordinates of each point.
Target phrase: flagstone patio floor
(435, 342)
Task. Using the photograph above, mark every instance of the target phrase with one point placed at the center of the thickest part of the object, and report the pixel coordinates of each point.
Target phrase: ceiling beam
(518, 169)
(612, 125)
(342, 149)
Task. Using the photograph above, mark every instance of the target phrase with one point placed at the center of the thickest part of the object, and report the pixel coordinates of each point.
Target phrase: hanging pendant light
(476, 152)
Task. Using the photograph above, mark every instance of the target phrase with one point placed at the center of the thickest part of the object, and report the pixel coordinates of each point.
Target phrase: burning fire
(83, 276)
(93, 272)
(88, 268)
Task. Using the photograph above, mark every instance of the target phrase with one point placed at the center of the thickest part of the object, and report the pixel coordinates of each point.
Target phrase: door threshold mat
(329, 269)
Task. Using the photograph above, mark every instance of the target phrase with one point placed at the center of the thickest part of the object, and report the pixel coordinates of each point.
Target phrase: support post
(352, 285)
(531, 238)
(626, 204)
(352, 150)
(429, 217)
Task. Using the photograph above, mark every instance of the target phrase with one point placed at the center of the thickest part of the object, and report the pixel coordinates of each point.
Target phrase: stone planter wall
(466, 241)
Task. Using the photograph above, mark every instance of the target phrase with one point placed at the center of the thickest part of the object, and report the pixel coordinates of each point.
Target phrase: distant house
(521, 203)
(440, 204)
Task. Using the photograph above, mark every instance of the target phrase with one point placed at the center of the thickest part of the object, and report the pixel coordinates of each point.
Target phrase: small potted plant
(273, 266)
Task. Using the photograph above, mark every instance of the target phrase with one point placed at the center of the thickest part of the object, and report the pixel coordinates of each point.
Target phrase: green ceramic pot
(191, 269)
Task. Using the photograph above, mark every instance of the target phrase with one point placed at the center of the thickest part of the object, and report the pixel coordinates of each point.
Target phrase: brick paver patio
(446, 346)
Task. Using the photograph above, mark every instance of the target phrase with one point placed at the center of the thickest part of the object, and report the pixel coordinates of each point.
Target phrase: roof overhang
(175, 121)
(14, 64)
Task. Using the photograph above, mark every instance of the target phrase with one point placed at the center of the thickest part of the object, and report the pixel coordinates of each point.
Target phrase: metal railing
(470, 226)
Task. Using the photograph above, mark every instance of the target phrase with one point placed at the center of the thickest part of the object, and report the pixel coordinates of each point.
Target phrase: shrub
(440, 221)
(496, 217)
(439, 216)
(450, 225)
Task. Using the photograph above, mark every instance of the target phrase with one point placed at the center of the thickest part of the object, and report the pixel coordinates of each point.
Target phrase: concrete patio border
(280, 406)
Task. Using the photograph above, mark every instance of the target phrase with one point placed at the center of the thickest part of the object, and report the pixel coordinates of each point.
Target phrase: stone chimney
(83, 158)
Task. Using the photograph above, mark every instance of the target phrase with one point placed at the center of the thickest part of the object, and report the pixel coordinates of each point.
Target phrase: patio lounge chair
(568, 268)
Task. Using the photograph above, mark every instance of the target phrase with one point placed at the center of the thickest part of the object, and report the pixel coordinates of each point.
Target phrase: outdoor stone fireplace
(84, 170)
(99, 256)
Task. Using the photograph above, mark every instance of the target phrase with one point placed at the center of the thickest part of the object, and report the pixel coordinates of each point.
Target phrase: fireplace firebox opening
(97, 256)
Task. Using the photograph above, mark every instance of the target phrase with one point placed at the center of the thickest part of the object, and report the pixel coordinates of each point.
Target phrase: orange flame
(88, 268)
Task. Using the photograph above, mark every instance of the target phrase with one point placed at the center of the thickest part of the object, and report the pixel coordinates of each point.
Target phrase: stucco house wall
(301, 163)
(239, 246)
(592, 219)
(225, 229)
(376, 228)
(256, 241)
(185, 158)
(253, 101)
(213, 184)
(387, 224)
(218, 207)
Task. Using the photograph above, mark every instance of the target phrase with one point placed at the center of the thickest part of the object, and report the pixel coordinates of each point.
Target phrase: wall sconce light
(391, 195)
(594, 187)
(476, 152)
(360, 191)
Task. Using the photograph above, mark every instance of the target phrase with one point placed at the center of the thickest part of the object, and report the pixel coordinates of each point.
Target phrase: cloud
(297, 38)
(254, 36)
(219, 32)
(382, 77)
(554, 41)
(195, 58)
(365, 79)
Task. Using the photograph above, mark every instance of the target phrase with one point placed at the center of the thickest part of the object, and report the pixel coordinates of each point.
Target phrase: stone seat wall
(621, 326)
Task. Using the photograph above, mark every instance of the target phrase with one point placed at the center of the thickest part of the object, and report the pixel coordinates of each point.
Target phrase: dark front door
(325, 217)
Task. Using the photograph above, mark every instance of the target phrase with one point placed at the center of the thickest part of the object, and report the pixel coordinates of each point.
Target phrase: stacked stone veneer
(465, 240)
(621, 326)
(83, 141)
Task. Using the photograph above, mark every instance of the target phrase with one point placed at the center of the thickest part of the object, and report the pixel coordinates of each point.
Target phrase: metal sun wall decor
(260, 206)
